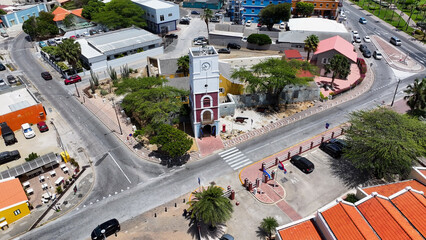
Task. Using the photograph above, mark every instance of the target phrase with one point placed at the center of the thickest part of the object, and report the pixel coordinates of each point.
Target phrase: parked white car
(355, 33)
(367, 39)
(357, 39)
(377, 55)
(27, 130)
(282, 25)
(244, 39)
(248, 23)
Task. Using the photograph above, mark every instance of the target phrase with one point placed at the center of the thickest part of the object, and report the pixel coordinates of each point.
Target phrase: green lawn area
(390, 16)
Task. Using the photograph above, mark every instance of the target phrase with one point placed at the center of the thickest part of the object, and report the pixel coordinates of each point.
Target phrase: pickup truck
(7, 134)
(9, 156)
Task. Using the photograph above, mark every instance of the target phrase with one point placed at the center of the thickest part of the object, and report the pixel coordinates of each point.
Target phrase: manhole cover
(283, 180)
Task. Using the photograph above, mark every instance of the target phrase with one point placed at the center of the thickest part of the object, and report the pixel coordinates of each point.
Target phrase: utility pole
(396, 89)
(78, 94)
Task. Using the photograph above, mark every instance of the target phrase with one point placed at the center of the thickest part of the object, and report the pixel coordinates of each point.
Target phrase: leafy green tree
(69, 21)
(417, 97)
(183, 64)
(32, 156)
(92, 7)
(259, 39)
(30, 27)
(206, 16)
(150, 103)
(384, 143)
(268, 225)
(120, 14)
(340, 66)
(273, 75)
(70, 51)
(210, 206)
(171, 140)
(311, 44)
(272, 14)
(304, 8)
(2, 12)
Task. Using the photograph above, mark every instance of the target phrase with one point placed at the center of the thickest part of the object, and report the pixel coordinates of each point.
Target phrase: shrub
(31, 157)
(59, 190)
(62, 66)
(322, 96)
(351, 198)
(259, 39)
(418, 32)
(104, 92)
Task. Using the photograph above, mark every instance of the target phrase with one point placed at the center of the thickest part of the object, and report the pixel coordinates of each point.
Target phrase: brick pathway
(209, 145)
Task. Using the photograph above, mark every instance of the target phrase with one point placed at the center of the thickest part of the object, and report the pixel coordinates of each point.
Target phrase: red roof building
(292, 54)
(60, 13)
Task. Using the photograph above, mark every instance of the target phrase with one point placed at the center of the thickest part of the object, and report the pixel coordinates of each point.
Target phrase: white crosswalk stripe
(234, 158)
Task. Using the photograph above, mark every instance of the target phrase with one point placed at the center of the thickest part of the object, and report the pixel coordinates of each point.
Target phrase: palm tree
(210, 206)
(70, 50)
(206, 16)
(268, 225)
(340, 66)
(183, 64)
(311, 44)
(416, 96)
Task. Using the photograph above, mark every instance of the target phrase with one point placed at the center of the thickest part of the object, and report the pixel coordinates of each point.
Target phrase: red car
(72, 79)
(42, 126)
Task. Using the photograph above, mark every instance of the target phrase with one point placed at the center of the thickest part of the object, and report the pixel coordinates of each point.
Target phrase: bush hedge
(259, 39)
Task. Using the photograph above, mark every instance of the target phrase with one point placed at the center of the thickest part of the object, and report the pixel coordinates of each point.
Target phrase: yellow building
(226, 86)
(321, 7)
(13, 201)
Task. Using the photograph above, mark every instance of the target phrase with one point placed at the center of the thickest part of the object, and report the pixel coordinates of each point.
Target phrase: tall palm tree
(268, 225)
(70, 51)
(210, 206)
(183, 64)
(416, 96)
(339, 65)
(311, 44)
(206, 16)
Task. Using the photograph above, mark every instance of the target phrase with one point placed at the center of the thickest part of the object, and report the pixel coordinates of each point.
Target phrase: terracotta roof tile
(292, 54)
(413, 206)
(386, 220)
(303, 231)
(389, 189)
(61, 13)
(11, 192)
(339, 44)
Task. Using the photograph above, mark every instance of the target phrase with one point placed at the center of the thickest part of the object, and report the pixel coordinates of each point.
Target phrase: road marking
(119, 167)
(242, 163)
(234, 158)
(235, 155)
(224, 153)
(258, 148)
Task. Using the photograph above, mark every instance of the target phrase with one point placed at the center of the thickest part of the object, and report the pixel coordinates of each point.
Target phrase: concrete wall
(291, 94)
(227, 108)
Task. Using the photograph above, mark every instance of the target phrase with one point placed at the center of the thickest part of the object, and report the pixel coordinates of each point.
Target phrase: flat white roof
(87, 50)
(155, 4)
(15, 99)
(226, 33)
(316, 25)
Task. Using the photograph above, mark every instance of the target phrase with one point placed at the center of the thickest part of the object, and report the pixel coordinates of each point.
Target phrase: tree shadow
(260, 233)
(169, 161)
(351, 176)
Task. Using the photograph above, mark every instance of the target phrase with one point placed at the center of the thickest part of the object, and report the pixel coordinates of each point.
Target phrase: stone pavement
(208, 145)
(395, 57)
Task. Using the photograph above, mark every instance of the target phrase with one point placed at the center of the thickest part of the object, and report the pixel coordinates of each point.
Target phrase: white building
(160, 15)
(118, 48)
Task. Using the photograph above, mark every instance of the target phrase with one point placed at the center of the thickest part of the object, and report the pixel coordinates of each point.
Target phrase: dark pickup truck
(9, 156)
(7, 134)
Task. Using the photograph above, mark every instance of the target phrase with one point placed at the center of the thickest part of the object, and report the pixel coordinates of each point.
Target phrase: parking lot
(41, 144)
(308, 192)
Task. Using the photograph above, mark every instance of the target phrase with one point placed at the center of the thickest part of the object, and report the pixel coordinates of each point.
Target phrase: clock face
(205, 66)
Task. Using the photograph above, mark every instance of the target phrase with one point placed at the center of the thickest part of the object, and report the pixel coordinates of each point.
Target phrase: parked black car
(331, 149)
(8, 156)
(11, 79)
(224, 50)
(362, 47)
(2, 67)
(303, 164)
(366, 53)
(195, 12)
(233, 46)
(106, 229)
(7, 134)
(184, 21)
(340, 142)
(171, 36)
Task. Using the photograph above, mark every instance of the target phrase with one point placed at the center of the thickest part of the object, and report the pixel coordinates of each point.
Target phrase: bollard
(300, 149)
(232, 197)
(246, 182)
(265, 178)
(229, 188)
(341, 132)
(332, 135)
(263, 167)
(276, 161)
(155, 214)
(273, 175)
(184, 200)
(288, 155)
(175, 204)
(258, 182)
(165, 209)
(312, 145)
(250, 187)
(322, 139)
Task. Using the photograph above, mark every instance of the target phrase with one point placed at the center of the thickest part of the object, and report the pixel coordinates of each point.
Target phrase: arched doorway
(207, 130)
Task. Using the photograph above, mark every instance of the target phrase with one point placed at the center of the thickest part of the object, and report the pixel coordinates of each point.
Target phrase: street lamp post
(396, 89)
(78, 94)
(118, 120)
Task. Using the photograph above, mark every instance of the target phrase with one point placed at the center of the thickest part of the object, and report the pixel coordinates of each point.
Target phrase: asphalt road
(149, 189)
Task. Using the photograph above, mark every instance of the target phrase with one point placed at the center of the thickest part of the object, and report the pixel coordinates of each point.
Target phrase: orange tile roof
(304, 231)
(11, 192)
(413, 206)
(61, 13)
(292, 54)
(423, 171)
(386, 220)
(389, 189)
(346, 222)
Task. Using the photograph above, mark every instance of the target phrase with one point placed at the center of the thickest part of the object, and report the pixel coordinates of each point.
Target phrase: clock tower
(204, 90)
